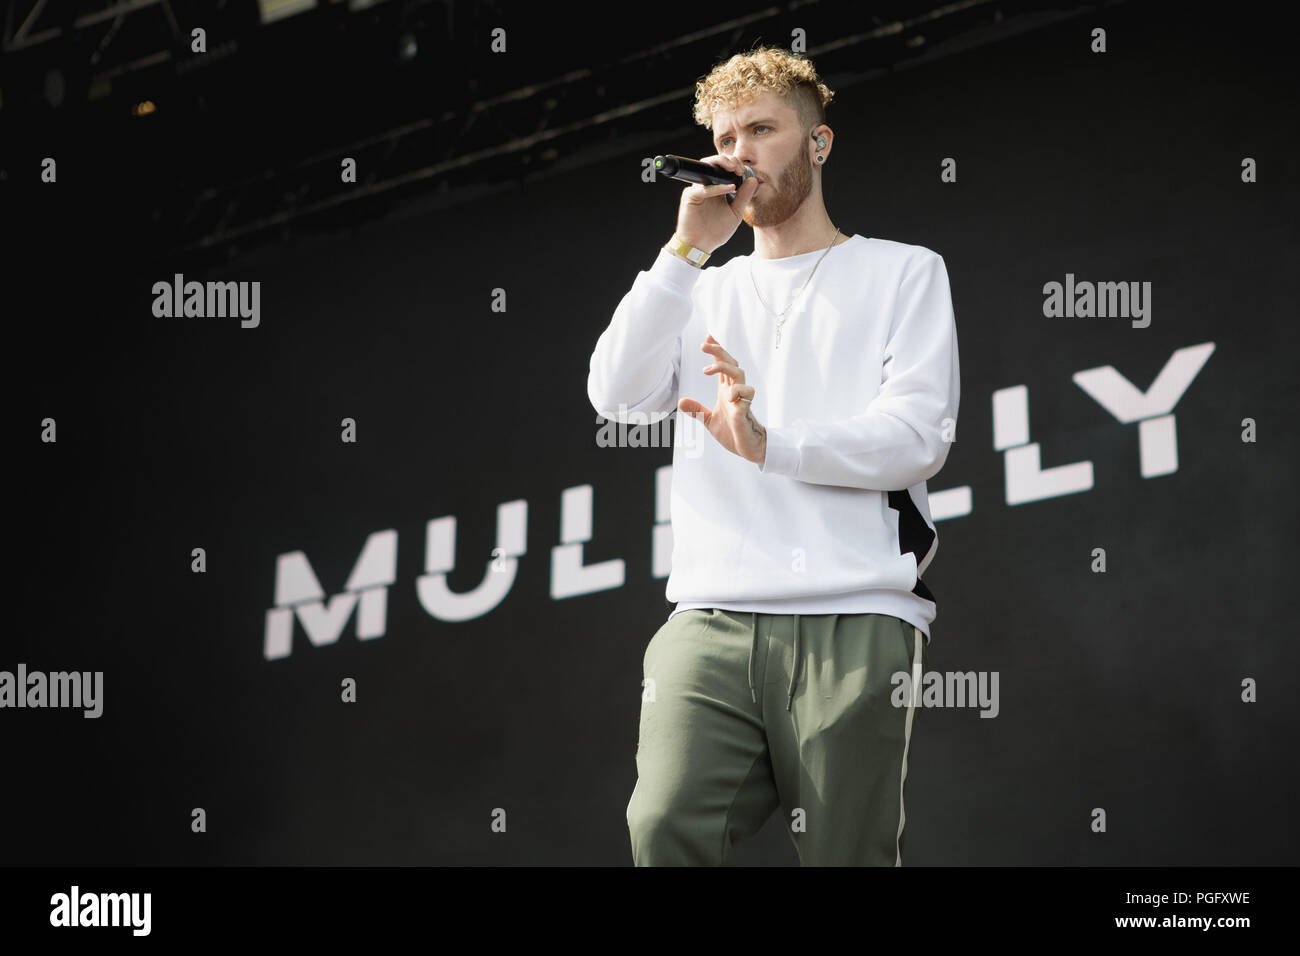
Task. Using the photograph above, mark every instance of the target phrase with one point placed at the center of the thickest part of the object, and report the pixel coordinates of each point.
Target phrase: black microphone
(694, 171)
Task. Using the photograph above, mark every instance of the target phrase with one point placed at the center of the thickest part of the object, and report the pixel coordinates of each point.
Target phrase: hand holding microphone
(704, 219)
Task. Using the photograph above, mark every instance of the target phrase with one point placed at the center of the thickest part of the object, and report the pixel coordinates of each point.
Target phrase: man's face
(765, 134)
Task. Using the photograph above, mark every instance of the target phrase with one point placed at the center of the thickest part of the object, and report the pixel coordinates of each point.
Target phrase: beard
(784, 196)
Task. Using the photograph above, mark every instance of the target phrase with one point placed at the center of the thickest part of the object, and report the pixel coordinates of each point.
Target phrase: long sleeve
(637, 359)
(902, 437)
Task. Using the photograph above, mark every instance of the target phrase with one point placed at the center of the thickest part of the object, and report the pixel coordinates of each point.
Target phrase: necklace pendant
(778, 337)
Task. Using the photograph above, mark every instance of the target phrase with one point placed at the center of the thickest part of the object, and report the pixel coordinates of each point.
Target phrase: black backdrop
(1118, 690)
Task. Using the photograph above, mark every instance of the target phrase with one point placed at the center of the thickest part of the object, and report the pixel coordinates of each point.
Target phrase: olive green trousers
(742, 713)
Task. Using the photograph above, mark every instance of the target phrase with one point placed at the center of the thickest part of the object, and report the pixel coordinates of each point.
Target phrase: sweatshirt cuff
(782, 454)
(674, 272)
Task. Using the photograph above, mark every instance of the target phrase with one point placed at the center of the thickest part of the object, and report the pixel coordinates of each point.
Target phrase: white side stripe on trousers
(907, 737)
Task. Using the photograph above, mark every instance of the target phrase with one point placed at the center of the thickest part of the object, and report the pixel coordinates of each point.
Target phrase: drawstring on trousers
(794, 670)
(753, 626)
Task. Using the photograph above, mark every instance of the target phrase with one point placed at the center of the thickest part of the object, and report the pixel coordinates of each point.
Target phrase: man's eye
(727, 139)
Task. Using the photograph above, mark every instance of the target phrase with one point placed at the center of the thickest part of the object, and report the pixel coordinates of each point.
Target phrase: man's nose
(741, 151)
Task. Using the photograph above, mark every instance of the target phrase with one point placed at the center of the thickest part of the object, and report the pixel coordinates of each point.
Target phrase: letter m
(298, 594)
(1110, 293)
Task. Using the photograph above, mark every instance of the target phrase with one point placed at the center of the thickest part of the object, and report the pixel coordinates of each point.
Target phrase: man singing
(823, 367)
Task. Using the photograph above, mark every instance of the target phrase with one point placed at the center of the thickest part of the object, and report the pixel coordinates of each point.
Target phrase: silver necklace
(780, 316)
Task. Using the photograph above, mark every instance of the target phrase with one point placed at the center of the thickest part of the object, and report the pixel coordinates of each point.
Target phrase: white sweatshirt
(859, 402)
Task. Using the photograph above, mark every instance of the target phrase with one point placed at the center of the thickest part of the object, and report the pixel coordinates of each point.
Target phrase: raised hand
(731, 422)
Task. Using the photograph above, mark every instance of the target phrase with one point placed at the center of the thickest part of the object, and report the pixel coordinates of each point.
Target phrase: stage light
(272, 10)
(407, 47)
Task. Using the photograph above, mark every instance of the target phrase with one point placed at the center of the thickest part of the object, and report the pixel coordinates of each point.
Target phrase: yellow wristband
(684, 250)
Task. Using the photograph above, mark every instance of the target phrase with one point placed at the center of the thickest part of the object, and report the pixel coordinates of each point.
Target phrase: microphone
(702, 174)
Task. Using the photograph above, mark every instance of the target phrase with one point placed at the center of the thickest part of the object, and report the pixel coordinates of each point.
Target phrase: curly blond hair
(763, 70)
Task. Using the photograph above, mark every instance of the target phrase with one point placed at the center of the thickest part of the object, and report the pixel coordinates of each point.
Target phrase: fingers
(689, 406)
(747, 189)
(727, 368)
(732, 163)
(713, 348)
(739, 392)
(708, 192)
